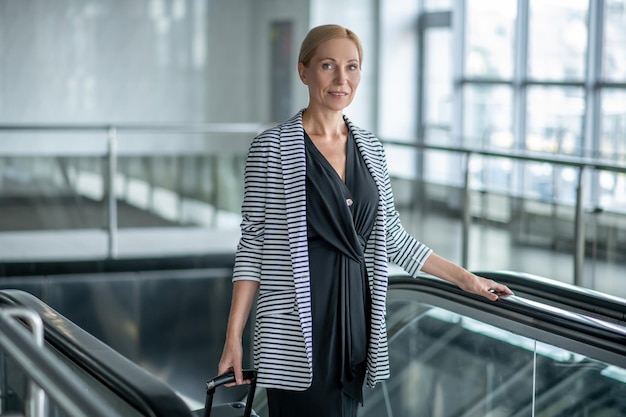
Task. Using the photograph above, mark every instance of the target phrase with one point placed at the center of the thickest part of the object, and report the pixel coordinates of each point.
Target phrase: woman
(319, 227)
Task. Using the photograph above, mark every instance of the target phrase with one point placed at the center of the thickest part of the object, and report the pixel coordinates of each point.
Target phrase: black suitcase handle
(228, 378)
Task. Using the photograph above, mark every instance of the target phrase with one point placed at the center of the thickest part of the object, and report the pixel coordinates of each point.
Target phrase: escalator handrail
(50, 374)
(582, 299)
(24, 269)
(126, 379)
(590, 331)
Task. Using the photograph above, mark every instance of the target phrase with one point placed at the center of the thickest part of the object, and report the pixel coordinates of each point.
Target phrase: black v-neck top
(340, 218)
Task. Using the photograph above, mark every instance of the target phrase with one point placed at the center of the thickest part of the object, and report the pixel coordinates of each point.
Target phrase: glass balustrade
(445, 363)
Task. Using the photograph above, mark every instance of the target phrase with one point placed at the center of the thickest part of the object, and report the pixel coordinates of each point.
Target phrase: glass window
(437, 5)
(557, 41)
(442, 167)
(554, 125)
(555, 120)
(490, 38)
(612, 190)
(550, 182)
(538, 181)
(614, 57)
(492, 174)
(488, 116)
(612, 185)
(613, 125)
(437, 85)
(555, 106)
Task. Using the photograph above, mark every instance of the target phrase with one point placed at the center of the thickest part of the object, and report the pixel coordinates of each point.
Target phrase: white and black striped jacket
(273, 251)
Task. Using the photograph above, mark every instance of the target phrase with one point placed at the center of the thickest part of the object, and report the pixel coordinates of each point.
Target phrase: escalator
(102, 374)
(455, 355)
(546, 352)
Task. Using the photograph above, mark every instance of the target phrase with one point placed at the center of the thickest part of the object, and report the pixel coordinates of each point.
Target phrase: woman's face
(332, 75)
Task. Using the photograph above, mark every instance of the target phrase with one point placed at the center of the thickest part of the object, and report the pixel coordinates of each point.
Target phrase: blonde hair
(320, 34)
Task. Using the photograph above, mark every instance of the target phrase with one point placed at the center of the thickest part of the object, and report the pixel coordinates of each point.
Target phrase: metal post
(467, 212)
(49, 373)
(36, 402)
(111, 192)
(579, 230)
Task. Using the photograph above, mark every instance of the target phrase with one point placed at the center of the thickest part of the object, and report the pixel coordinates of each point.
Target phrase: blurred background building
(123, 125)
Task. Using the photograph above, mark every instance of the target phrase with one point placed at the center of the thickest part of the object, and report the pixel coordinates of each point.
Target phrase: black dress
(340, 218)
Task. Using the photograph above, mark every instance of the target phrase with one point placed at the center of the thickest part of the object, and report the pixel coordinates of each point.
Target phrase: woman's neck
(323, 124)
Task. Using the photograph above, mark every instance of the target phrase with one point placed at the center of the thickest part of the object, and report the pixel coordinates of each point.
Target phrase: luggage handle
(228, 378)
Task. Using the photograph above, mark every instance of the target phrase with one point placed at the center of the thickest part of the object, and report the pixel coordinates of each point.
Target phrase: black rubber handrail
(590, 331)
(48, 373)
(134, 385)
(104, 266)
(581, 299)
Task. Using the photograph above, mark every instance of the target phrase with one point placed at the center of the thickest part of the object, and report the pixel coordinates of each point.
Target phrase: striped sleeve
(402, 248)
(273, 251)
(261, 170)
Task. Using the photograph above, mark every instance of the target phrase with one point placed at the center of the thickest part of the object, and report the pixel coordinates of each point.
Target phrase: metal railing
(47, 375)
(110, 148)
(581, 164)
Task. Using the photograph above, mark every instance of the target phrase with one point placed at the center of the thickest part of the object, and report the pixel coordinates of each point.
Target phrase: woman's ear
(302, 73)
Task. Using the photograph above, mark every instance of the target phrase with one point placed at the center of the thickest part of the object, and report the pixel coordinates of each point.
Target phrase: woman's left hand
(467, 281)
(485, 287)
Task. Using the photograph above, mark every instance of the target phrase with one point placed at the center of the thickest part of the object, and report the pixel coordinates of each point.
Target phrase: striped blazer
(273, 250)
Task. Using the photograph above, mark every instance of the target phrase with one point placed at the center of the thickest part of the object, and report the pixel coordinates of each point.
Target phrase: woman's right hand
(231, 361)
(244, 293)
